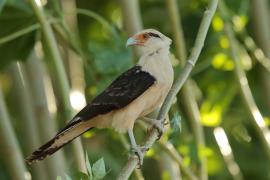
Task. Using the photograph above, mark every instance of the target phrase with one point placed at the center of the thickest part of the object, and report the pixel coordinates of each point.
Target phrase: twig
(256, 116)
(61, 77)
(199, 42)
(187, 96)
(170, 149)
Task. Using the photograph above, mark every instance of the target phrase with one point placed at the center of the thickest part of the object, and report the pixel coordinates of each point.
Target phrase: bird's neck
(158, 64)
(153, 51)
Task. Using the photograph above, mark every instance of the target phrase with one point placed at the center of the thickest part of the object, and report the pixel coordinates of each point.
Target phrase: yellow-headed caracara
(135, 93)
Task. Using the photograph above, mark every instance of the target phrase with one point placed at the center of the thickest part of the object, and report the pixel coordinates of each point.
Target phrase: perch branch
(199, 42)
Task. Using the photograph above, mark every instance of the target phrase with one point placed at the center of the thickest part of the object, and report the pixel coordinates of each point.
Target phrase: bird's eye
(153, 35)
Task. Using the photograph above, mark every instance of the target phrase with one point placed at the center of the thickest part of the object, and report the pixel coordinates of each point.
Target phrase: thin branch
(170, 149)
(199, 42)
(256, 117)
(187, 96)
(61, 77)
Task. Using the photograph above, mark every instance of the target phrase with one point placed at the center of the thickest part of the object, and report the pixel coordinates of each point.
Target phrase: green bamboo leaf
(68, 177)
(176, 123)
(15, 16)
(88, 165)
(99, 170)
(58, 178)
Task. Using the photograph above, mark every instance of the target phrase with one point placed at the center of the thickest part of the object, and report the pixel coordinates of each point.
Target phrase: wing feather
(127, 87)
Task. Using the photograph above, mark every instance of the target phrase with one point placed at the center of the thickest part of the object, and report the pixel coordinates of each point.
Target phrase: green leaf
(88, 165)
(68, 177)
(176, 123)
(15, 16)
(110, 56)
(98, 168)
(58, 178)
(80, 175)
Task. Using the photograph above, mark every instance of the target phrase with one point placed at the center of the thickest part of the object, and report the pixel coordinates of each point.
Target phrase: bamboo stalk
(256, 117)
(10, 149)
(47, 126)
(261, 24)
(132, 21)
(25, 106)
(61, 78)
(199, 42)
(187, 96)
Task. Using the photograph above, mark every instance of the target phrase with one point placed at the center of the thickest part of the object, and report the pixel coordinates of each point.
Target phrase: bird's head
(149, 40)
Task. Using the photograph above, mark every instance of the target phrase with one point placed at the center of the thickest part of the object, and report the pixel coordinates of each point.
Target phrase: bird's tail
(63, 137)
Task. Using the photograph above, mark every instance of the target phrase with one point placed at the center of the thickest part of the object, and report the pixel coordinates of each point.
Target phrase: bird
(132, 95)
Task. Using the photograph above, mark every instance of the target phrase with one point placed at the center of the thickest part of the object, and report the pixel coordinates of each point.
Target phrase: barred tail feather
(62, 138)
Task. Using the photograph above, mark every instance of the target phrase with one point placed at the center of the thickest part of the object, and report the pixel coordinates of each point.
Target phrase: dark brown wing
(122, 91)
(127, 87)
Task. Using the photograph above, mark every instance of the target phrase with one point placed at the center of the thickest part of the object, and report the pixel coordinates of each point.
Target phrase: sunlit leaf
(205, 152)
(239, 22)
(150, 152)
(223, 62)
(267, 121)
(224, 42)
(217, 23)
(58, 178)
(213, 164)
(165, 175)
(88, 134)
(211, 114)
(98, 169)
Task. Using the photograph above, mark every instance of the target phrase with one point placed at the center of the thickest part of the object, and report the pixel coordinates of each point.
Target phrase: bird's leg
(139, 151)
(158, 124)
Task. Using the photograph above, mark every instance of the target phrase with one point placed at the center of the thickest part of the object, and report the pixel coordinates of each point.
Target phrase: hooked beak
(137, 39)
(131, 41)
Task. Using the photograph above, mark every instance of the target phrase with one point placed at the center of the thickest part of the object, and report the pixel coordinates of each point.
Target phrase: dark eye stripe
(153, 35)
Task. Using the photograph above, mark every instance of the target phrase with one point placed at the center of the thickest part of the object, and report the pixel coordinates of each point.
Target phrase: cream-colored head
(149, 40)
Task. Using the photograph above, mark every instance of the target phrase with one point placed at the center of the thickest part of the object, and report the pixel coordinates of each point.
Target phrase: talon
(139, 151)
(160, 128)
